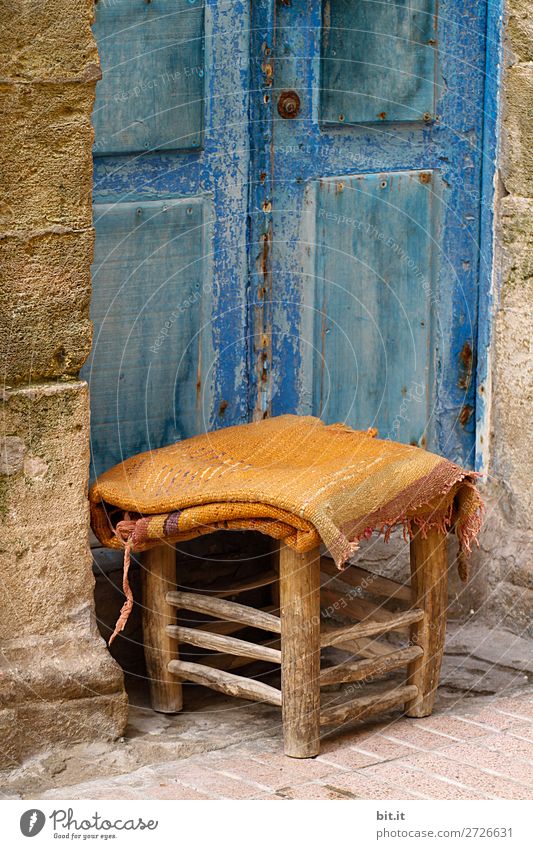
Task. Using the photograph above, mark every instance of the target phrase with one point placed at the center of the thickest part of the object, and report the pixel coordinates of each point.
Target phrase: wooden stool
(422, 611)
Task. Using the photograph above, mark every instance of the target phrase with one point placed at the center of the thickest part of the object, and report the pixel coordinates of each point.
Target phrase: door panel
(372, 302)
(170, 272)
(378, 61)
(152, 310)
(152, 58)
(305, 263)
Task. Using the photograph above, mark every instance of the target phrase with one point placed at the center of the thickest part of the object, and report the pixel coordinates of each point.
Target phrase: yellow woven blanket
(291, 477)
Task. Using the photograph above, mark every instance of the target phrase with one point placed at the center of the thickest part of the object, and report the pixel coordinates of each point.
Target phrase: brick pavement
(485, 752)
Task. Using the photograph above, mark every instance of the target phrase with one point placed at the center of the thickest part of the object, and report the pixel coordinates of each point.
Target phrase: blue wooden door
(170, 208)
(377, 110)
(287, 213)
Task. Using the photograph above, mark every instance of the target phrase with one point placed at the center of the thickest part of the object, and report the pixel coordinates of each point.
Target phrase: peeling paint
(466, 358)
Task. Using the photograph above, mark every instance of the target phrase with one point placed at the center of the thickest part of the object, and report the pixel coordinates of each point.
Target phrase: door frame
(489, 274)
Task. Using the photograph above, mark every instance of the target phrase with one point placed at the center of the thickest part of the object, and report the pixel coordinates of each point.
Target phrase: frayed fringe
(341, 551)
(470, 519)
(463, 566)
(124, 532)
(467, 528)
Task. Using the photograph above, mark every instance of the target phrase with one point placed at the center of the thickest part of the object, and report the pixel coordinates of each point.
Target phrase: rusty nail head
(289, 104)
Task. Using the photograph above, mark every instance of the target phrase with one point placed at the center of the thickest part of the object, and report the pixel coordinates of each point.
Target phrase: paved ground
(477, 745)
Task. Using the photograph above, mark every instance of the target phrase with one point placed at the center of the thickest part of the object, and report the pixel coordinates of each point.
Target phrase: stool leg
(158, 578)
(429, 591)
(300, 651)
(274, 562)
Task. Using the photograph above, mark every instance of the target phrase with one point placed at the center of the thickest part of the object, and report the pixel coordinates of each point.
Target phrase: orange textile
(291, 477)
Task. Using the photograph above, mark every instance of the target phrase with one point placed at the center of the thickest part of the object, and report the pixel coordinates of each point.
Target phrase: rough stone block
(46, 564)
(48, 39)
(45, 287)
(516, 161)
(35, 726)
(519, 30)
(504, 561)
(50, 646)
(516, 242)
(48, 668)
(513, 359)
(45, 157)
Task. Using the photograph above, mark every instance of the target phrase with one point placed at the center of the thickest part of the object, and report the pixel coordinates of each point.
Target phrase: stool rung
(225, 682)
(347, 673)
(365, 647)
(396, 622)
(221, 626)
(336, 596)
(223, 643)
(229, 661)
(244, 585)
(367, 705)
(369, 581)
(228, 610)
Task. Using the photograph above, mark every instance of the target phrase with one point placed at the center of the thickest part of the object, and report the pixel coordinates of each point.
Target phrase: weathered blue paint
(374, 292)
(260, 209)
(215, 177)
(488, 283)
(151, 93)
(150, 311)
(450, 146)
(386, 52)
(271, 261)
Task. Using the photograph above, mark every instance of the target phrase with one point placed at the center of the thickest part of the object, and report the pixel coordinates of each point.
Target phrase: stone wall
(504, 565)
(59, 683)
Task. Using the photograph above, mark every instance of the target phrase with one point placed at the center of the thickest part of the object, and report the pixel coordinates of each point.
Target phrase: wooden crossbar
(220, 626)
(396, 622)
(223, 643)
(225, 682)
(371, 583)
(228, 610)
(246, 584)
(334, 597)
(365, 706)
(231, 661)
(365, 670)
